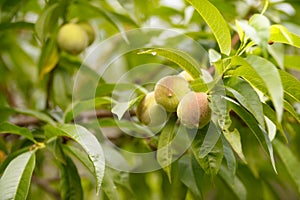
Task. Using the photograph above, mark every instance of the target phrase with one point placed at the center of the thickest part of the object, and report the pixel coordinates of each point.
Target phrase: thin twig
(235, 40)
(23, 120)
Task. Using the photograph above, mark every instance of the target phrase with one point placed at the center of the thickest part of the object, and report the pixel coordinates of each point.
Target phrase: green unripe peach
(205, 76)
(169, 91)
(186, 76)
(72, 38)
(89, 31)
(149, 112)
(255, 51)
(193, 110)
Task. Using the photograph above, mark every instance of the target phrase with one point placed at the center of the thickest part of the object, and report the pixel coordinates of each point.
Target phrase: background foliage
(251, 151)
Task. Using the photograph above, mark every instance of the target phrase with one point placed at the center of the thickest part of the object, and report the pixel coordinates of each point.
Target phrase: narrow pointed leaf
(46, 21)
(230, 159)
(279, 33)
(210, 140)
(97, 10)
(291, 85)
(75, 109)
(234, 139)
(261, 24)
(11, 157)
(189, 176)
(246, 96)
(164, 149)
(263, 75)
(215, 21)
(87, 141)
(120, 108)
(70, 183)
(41, 116)
(271, 128)
(81, 156)
(15, 181)
(109, 187)
(290, 109)
(92, 147)
(6, 127)
(240, 67)
(271, 115)
(257, 130)
(270, 75)
(292, 62)
(211, 162)
(237, 187)
(49, 58)
(289, 160)
(182, 59)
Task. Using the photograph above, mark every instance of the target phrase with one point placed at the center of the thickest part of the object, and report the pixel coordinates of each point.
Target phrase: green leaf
(214, 56)
(107, 15)
(91, 145)
(230, 159)
(182, 59)
(240, 31)
(125, 125)
(277, 52)
(88, 142)
(257, 130)
(81, 156)
(10, 8)
(271, 115)
(108, 184)
(261, 24)
(109, 187)
(199, 85)
(237, 187)
(48, 59)
(55, 147)
(292, 62)
(15, 181)
(240, 67)
(218, 105)
(270, 75)
(70, 183)
(266, 5)
(46, 21)
(289, 160)
(291, 85)
(263, 75)
(164, 149)
(189, 175)
(281, 34)
(108, 88)
(234, 139)
(271, 127)
(61, 90)
(3, 149)
(211, 161)
(10, 157)
(41, 116)
(120, 108)
(210, 140)
(257, 29)
(6, 127)
(290, 109)
(247, 97)
(215, 21)
(16, 25)
(76, 108)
